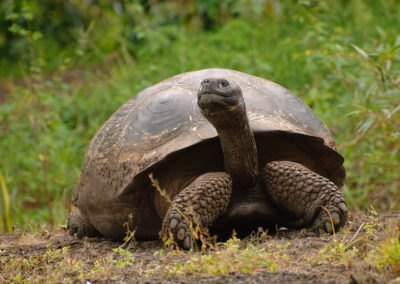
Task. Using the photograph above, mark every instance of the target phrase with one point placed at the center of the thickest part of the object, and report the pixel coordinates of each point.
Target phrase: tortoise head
(219, 95)
(222, 104)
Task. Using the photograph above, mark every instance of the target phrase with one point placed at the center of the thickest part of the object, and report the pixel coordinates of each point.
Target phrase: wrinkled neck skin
(238, 145)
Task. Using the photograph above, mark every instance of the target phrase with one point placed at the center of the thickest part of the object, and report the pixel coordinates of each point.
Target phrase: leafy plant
(376, 117)
(340, 57)
(126, 258)
(390, 256)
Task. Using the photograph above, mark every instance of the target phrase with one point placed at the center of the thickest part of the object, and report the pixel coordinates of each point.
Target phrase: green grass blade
(6, 203)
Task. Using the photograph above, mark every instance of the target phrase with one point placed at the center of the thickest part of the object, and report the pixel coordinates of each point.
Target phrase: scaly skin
(200, 203)
(303, 193)
(77, 224)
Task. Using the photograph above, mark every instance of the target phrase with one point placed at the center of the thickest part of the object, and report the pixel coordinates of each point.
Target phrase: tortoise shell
(164, 120)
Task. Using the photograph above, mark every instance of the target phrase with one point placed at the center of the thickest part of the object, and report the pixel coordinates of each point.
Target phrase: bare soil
(300, 257)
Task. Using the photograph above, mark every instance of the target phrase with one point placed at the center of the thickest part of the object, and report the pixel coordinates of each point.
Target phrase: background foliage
(67, 65)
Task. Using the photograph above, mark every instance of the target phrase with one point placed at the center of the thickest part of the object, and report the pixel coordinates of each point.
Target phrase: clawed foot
(307, 195)
(175, 226)
(336, 218)
(199, 204)
(77, 224)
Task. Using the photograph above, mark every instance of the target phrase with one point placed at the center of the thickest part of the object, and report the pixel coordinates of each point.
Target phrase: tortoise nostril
(205, 82)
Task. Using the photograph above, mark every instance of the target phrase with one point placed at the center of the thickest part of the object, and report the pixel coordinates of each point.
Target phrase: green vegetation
(390, 256)
(4, 207)
(68, 65)
(232, 256)
(59, 265)
(368, 249)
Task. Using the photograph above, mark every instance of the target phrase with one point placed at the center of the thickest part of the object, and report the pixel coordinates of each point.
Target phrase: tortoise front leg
(200, 203)
(302, 193)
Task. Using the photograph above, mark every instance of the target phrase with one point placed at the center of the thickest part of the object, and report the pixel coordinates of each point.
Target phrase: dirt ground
(298, 256)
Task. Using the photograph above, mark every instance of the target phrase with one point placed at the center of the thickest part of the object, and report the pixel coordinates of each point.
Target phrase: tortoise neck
(238, 146)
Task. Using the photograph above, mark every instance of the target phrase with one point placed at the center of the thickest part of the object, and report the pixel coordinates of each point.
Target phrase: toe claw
(328, 227)
(335, 218)
(342, 206)
(181, 234)
(186, 243)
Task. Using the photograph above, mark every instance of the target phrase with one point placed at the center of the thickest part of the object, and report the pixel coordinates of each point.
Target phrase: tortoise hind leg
(303, 193)
(79, 225)
(200, 203)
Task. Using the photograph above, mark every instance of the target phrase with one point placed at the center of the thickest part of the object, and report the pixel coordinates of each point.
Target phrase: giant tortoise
(231, 151)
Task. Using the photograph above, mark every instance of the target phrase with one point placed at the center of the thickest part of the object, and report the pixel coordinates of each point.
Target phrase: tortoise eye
(224, 83)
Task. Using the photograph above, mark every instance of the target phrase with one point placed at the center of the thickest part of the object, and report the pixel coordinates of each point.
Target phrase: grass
(230, 257)
(389, 259)
(57, 265)
(341, 57)
(5, 207)
(375, 255)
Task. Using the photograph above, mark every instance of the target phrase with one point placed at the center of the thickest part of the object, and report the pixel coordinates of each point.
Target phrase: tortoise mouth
(216, 102)
(212, 98)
